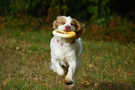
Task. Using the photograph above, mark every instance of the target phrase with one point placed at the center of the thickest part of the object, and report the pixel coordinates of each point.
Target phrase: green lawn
(25, 59)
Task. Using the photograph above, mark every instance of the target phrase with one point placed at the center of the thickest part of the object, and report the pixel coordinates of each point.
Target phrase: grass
(25, 59)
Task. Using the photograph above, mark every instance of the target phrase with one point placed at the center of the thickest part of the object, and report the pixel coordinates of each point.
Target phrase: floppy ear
(79, 29)
(55, 24)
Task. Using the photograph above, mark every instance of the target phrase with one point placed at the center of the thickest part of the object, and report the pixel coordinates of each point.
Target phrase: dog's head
(67, 24)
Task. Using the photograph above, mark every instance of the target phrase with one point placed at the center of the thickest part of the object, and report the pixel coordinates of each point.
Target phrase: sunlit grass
(25, 59)
(109, 63)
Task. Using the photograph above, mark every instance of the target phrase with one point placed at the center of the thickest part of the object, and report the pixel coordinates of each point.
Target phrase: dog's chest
(63, 53)
(65, 50)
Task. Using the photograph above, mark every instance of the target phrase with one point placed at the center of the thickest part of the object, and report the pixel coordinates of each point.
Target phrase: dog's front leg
(70, 77)
(56, 67)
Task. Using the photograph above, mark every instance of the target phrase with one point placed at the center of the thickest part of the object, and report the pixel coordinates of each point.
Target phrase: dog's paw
(68, 81)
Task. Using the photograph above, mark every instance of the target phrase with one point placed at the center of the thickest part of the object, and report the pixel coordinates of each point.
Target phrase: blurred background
(83, 10)
(97, 15)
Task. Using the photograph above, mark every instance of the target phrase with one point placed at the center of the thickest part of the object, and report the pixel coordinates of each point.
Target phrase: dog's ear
(79, 29)
(55, 23)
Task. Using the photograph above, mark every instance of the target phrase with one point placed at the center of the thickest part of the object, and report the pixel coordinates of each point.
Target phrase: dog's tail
(80, 43)
(80, 40)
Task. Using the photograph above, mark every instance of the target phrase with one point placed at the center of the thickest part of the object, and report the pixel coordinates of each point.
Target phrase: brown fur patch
(73, 23)
(79, 28)
(59, 21)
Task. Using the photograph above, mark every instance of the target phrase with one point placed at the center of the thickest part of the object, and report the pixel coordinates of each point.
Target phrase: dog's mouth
(62, 33)
(67, 30)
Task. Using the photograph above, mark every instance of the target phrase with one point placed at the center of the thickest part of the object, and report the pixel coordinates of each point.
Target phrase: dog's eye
(62, 23)
(72, 24)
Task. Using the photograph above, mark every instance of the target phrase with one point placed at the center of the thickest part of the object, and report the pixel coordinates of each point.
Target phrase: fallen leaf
(17, 48)
(46, 85)
(4, 83)
(96, 84)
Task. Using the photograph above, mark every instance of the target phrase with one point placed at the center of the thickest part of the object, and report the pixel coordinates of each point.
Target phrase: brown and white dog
(66, 52)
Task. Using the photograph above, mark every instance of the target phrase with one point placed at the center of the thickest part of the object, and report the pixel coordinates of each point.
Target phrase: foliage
(81, 9)
(118, 29)
(97, 11)
(100, 11)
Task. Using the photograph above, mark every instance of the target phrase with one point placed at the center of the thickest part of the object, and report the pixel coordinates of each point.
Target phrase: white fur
(65, 53)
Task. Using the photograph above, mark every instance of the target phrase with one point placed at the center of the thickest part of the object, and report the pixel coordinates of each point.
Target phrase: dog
(66, 52)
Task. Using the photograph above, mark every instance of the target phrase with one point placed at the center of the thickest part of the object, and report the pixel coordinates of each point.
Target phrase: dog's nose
(67, 28)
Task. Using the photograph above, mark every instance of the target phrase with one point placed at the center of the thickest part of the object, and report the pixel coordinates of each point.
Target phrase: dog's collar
(64, 43)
